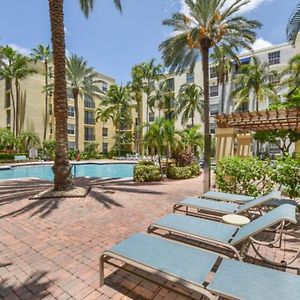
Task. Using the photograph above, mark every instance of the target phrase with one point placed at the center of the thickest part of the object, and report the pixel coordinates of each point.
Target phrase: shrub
(174, 172)
(146, 163)
(287, 174)
(248, 176)
(146, 173)
(72, 154)
(49, 148)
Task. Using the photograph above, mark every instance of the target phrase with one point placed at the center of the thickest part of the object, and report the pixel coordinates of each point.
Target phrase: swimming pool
(90, 170)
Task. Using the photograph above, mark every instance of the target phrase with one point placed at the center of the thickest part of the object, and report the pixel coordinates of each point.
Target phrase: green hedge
(146, 173)
(10, 156)
(245, 176)
(191, 171)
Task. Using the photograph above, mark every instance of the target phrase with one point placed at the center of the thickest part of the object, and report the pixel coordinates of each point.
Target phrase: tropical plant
(115, 105)
(254, 78)
(223, 59)
(293, 26)
(190, 102)
(14, 68)
(49, 148)
(150, 73)
(163, 99)
(7, 139)
(192, 140)
(209, 23)
(83, 81)
(43, 54)
(61, 168)
(27, 140)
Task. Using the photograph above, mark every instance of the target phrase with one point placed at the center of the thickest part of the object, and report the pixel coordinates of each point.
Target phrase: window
(214, 90)
(103, 86)
(214, 112)
(89, 118)
(7, 117)
(274, 58)
(89, 134)
(88, 102)
(71, 145)
(104, 131)
(244, 106)
(104, 147)
(70, 93)
(274, 79)
(190, 77)
(50, 72)
(50, 110)
(212, 72)
(151, 117)
(212, 131)
(71, 128)
(170, 84)
(71, 111)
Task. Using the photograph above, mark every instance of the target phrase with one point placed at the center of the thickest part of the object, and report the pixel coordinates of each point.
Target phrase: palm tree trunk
(13, 106)
(207, 141)
(46, 101)
(76, 108)
(17, 106)
(61, 168)
(223, 96)
(192, 118)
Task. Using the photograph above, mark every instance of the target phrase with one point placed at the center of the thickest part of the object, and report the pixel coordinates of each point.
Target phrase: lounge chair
(194, 268)
(216, 209)
(221, 235)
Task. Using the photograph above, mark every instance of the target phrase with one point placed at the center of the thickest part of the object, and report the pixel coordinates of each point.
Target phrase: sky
(112, 42)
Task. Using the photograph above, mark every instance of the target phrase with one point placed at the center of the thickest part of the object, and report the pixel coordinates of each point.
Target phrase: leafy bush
(146, 163)
(183, 159)
(146, 173)
(72, 154)
(174, 172)
(287, 174)
(10, 157)
(248, 176)
(49, 148)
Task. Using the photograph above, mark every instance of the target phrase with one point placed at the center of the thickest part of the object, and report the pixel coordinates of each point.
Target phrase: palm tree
(82, 80)
(43, 54)
(28, 139)
(223, 59)
(151, 73)
(210, 23)
(254, 78)
(15, 67)
(190, 101)
(192, 139)
(293, 26)
(116, 106)
(293, 75)
(61, 168)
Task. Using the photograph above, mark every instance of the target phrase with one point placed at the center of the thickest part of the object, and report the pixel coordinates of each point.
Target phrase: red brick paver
(49, 249)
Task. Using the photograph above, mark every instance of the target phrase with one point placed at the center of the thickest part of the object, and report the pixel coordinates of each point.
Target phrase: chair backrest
(285, 212)
(258, 201)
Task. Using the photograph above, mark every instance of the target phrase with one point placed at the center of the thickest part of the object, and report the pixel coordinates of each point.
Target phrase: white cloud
(22, 50)
(260, 43)
(246, 8)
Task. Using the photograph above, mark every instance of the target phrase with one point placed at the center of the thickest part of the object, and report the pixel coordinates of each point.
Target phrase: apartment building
(277, 56)
(33, 111)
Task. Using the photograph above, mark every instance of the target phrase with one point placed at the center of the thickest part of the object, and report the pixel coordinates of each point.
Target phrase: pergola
(263, 120)
(234, 131)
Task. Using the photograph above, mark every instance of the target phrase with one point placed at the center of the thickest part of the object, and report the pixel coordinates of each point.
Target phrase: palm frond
(293, 26)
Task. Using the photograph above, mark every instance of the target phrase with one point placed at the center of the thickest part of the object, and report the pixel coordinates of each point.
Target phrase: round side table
(236, 220)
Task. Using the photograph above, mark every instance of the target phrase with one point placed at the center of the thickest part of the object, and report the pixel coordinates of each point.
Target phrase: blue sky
(112, 43)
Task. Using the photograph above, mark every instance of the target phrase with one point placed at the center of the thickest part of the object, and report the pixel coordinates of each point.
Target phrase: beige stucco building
(34, 111)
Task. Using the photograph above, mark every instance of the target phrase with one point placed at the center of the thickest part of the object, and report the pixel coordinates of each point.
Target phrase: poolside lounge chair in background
(227, 236)
(190, 267)
(216, 209)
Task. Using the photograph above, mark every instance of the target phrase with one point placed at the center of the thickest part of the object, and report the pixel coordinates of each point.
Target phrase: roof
(288, 118)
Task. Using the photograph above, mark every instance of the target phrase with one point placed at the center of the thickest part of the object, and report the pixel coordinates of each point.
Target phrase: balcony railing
(89, 104)
(89, 137)
(89, 121)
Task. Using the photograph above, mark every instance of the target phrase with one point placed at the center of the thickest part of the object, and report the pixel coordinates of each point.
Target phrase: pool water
(89, 170)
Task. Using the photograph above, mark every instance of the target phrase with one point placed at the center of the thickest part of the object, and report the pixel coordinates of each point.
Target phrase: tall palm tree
(115, 105)
(61, 168)
(223, 58)
(43, 54)
(293, 26)
(82, 80)
(151, 72)
(192, 139)
(190, 101)
(254, 78)
(15, 68)
(209, 23)
(136, 87)
(292, 81)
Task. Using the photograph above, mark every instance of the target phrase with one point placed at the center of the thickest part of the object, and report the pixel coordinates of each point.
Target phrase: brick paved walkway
(49, 249)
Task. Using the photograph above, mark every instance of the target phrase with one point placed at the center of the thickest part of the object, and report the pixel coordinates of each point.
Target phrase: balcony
(89, 104)
(89, 121)
(89, 137)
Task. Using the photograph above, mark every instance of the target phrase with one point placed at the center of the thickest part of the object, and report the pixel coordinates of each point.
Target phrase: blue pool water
(90, 170)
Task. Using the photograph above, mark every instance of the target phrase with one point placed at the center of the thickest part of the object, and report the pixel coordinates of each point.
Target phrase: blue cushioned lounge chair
(221, 196)
(194, 268)
(216, 209)
(227, 236)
